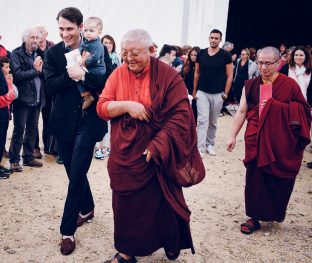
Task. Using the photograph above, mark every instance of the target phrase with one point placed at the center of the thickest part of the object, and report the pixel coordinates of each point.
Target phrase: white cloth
(300, 71)
(15, 91)
(190, 97)
(303, 79)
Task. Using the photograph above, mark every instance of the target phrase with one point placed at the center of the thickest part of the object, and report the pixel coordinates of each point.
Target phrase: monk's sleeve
(108, 95)
(300, 117)
(300, 122)
(283, 134)
(174, 147)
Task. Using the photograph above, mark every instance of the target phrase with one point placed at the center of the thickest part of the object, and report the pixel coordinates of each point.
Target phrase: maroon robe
(148, 203)
(274, 145)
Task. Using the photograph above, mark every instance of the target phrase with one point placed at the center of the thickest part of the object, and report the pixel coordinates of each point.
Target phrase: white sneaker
(211, 151)
(106, 152)
(99, 154)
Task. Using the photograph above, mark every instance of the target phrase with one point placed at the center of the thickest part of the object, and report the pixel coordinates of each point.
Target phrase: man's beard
(34, 47)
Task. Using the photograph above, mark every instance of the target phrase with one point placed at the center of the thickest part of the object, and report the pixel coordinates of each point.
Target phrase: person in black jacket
(26, 68)
(188, 75)
(76, 131)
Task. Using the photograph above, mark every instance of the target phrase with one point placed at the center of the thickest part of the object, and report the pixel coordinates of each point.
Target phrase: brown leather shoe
(37, 153)
(67, 246)
(33, 163)
(16, 167)
(81, 221)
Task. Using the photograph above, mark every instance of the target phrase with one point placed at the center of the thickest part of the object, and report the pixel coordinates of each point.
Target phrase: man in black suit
(76, 131)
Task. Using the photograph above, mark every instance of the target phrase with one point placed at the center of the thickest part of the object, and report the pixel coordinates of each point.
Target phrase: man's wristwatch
(224, 96)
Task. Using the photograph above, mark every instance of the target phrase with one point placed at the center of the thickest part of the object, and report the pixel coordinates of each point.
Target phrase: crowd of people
(155, 116)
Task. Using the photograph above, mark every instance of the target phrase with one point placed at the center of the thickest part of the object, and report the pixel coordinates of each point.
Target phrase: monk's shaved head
(269, 50)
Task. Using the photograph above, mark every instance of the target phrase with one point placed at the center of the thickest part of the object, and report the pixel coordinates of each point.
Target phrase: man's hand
(137, 111)
(82, 63)
(178, 68)
(231, 144)
(75, 72)
(148, 155)
(38, 64)
(263, 103)
(194, 95)
(224, 96)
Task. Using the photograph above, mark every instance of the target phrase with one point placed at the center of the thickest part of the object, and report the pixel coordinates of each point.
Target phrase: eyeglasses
(132, 54)
(267, 64)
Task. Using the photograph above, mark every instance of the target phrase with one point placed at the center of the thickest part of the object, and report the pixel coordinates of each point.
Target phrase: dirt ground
(31, 206)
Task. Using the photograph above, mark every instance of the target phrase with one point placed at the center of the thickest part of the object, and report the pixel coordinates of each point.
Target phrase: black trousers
(77, 156)
(45, 113)
(25, 120)
(3, 134)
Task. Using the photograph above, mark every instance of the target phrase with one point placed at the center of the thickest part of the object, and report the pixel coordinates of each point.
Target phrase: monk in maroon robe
(153, 152)
(274, 141)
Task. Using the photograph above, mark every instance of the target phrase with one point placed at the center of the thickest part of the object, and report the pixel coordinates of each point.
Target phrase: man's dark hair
(216, 31)
(166, 49)
(3, 60)
(71, 14)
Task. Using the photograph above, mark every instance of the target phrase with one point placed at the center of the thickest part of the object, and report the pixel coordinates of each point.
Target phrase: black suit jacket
(66, 109)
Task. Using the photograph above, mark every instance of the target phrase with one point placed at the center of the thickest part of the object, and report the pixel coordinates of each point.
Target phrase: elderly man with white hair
(153, 152)
(26, 66)
(43, 42)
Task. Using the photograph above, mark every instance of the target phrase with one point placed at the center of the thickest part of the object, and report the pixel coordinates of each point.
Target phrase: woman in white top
(299, 69)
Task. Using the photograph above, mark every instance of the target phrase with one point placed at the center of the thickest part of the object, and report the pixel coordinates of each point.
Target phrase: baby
(92, 52)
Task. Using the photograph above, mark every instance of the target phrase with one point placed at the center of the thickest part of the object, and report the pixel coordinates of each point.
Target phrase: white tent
(176, 22)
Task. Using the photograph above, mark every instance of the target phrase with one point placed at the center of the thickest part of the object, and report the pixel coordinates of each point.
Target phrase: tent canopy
(175, 22)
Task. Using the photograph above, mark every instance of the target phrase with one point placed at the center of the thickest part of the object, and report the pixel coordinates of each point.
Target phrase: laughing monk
(274, 142)
(153, 152)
